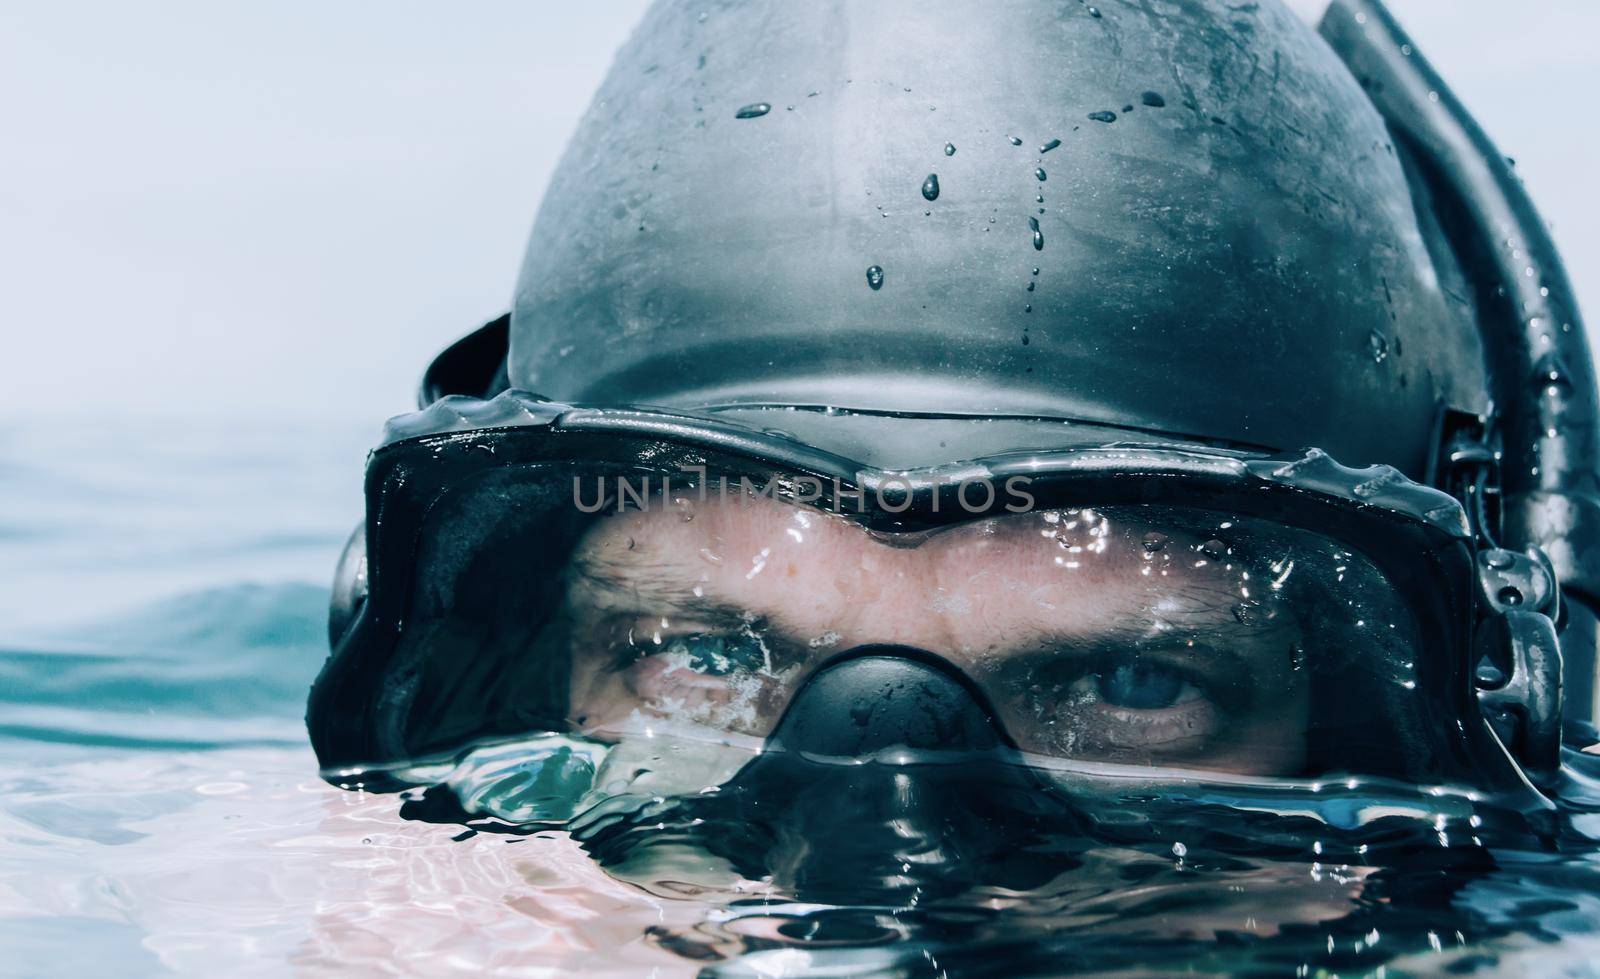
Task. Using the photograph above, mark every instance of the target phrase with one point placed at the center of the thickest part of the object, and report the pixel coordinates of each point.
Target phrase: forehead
(760, 554)
(667, 529)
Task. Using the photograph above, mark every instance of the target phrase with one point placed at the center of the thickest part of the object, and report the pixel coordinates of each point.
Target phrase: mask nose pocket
(889, 771)
(874, 699)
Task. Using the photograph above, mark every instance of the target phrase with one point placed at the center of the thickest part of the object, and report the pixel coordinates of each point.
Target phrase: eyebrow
(654, 588)
(634, 580)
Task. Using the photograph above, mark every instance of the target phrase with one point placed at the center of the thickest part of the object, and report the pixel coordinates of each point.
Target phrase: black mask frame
(1486, 607)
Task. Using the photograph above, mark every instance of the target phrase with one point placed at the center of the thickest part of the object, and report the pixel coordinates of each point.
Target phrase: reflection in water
(1219, 878)
(239, 859)
(242, 862)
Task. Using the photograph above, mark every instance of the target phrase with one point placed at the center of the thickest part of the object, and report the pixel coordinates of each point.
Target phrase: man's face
(1094, 637)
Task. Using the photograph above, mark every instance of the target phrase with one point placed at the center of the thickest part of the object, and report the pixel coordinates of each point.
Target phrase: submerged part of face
(1094, 637)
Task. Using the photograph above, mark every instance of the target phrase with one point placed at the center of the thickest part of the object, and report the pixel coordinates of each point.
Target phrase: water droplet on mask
(1038, 236)
(1378, 344)
(1214, 549)
(1015, 140)
(930, 187)
(949, 149)
(1049, 145)
(875, 276)
(1103, 116)
(1039, 172)
(1153, 100)
(753, 110)
(1154, 542)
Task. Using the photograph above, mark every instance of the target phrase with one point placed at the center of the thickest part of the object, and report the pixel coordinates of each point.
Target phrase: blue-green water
(160, 811)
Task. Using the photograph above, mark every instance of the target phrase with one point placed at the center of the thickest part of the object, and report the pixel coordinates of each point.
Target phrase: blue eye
(718, 655)
(1141, 686)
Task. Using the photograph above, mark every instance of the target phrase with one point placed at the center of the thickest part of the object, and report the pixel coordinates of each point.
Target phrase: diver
(916, 431)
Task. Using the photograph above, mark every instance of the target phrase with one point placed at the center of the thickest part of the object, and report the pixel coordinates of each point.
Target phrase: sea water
(160, 810)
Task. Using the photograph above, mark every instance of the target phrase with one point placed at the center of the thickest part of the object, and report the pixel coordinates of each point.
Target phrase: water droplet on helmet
(1103, 116)
(1378, 344)
(1550, 372)
(1154, 542)
(753, 110)
(1031, 285)
(1094, 12)
(1038, 236)
(1153, 100)
(1039, 172)
(875, 276)
(1049, 145)
(949, 149)
(1015, 140)
(930, 187)
(1214, 549)
(1036, 270)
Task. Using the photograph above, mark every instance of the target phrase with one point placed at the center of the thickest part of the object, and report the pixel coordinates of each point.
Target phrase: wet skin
(1094, 636)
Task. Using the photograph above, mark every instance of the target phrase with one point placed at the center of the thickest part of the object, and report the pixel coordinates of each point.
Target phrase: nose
(874, 699)
(887, 776)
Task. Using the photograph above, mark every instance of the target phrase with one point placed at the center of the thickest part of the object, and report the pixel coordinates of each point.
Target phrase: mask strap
(1542, 380)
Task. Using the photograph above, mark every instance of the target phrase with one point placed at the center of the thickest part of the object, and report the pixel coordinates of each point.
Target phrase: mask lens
(1156, 638)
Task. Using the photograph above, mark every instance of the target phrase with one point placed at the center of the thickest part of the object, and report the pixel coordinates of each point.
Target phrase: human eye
(725, 676)
(712, 654)
(1136, 687)
(1143, 707)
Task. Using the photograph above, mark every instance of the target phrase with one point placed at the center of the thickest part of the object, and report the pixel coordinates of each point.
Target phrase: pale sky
(291, 206)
